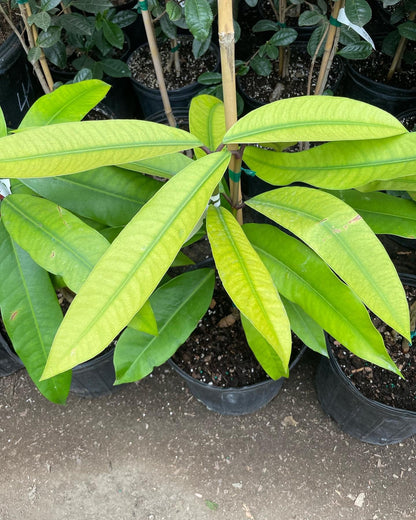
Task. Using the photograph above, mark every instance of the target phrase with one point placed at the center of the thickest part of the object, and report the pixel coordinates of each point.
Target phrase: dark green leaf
(284, 37)
(390, 43)
(41, 20)
(315, 40)
(56, 54)
(115, 68)
(347, 35)
(82, 75)
(49, 4)
(356, 51)
(358, 11)
(251, 3)
(261, 66)
(173, 10)
(49, 37)
(168, 27)
(200, 48)
(272, 52)
(97, 6)
(323, 6)
(308, 18)
(124, 18)
(199, 18)
(113, 34)
(408, 30)
(210, 78)
(76, 23)
(265, 25)
(237, 31)
(398, 15)
(34, 54)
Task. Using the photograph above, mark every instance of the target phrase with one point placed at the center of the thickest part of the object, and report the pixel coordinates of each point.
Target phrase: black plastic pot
(181, 116)
(9, 361)
(17, 91)
(150, 99)
(392, 99)
(360, 417)
(234, 401)
(94, 377)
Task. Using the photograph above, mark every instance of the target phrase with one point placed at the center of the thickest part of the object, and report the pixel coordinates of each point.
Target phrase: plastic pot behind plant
(9, 361)
(234, 401)
(94, 377)
(17, 92)
(357, 415)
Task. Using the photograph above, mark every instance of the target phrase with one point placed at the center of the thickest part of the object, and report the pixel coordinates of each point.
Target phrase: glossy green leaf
(165, 166)
(109, 195)
(309, 18)
(137, 261)
(97, 6)
(407, 30)
(317, 39)
(181, 259)
(31, 314)
(57, 240)
(41, 20)
(314, 118)
(356, 51)
(385, 214)
(145, 320)
(207, 121)
(399, 184)
(178, 306)
(265, 25)
(304, 279)
(247, 281)
(283, 37)
(66, 103)
(265, 354)
(115, 68)
(199, 18)
(358, 12)
(345, 242)
(173, 10)
(34, 54)
(261, 66)
(113, 34)
(76, 23)
(55, 55)
(309, 332)
(337, 165)
(73, 147)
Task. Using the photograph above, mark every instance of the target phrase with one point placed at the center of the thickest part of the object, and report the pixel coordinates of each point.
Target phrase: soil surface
(408, 121)
(272, 88)
(217, 352)
(5, 29)
(377, 383)
(377, 65)
(141, 65)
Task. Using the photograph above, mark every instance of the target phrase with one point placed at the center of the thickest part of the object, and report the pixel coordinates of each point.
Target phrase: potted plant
(249, 261)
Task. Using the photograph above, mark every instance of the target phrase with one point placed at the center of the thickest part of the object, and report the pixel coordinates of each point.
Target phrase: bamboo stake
(330, 48)
(226, 40)
(154, 51)
(32, 34)
(36, 67)
(398, 55)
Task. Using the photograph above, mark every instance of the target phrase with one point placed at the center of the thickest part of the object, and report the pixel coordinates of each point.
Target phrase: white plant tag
(342, 18)
(5, 187)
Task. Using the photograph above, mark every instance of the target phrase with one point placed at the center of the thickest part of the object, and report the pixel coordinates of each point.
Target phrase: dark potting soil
(273, 87)
(377, 383)
(409, 122)
(217, 352)
(377, 65)
(141, 65)
(5, 29)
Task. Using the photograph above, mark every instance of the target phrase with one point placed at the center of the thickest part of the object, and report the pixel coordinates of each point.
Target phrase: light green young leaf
(137, 260)
(398, 184)
(345, 242)
(145, 320)
(66, 103)
(337, 165)
(178, 306)
(247, 281)
(31, 314)
(56, 239)
(74, 147)
(3, 125)
(207, 121)
(314, 118)
(165, 166)
(304, 279)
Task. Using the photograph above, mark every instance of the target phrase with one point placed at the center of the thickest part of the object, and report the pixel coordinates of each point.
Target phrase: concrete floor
(152, 452)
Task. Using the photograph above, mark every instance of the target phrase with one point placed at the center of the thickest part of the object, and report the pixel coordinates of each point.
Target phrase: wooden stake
(226, 40)
(398, 55)
(154, 51)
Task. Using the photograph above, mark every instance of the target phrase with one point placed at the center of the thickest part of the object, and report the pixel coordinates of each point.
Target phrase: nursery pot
(9, 361)
(392, 99)
(16, 87)
(94, 377)
(357, 415)
(150, 99)
(234, 401)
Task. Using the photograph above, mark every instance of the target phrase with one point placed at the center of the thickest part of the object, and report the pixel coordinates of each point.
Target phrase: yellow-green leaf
(207, 121)
(145, 320)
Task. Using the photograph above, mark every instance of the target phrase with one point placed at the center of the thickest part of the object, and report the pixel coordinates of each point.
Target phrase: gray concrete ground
(152, 452)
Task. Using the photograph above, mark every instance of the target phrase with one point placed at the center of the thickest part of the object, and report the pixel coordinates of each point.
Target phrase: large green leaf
(165, 166)
(337, 165)
(385, 214)
(304, 279)
(345, 242)
(358, 12)
(305, 327)
(314, 118)
(199, 18)
(66, 103)
(74, 147)
(56, 239)
(178, 306)
(247, 281)
(134, 264)
(207, 121)
(31, 314)
(109, 194)
(399, 184)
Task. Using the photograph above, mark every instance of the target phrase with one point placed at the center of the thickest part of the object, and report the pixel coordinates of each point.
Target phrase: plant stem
(282, 50)
(330, 49)
(154, 51)
(398, 55)
(314, 60)
(226, 40)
